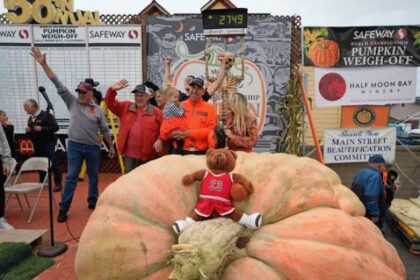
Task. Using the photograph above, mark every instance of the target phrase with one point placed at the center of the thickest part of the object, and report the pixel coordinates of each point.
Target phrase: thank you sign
(357, 145)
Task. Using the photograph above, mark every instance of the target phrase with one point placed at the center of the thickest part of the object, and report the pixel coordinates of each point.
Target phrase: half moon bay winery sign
(48, 12)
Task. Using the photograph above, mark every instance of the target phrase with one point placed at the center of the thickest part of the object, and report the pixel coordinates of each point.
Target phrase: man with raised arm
(86, 119)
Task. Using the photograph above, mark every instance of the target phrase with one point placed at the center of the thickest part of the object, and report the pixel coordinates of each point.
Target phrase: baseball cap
(92, 82)
(151, 85)
(141, 88)
(84, 87)
(377, 159)
(197, 81)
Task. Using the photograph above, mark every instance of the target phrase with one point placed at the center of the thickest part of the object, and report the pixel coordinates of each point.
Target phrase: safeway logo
(332, 86)
(401, 34)
(24, 34)
(133, 34)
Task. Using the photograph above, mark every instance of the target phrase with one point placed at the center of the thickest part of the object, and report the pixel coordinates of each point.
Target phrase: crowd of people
(157, 122)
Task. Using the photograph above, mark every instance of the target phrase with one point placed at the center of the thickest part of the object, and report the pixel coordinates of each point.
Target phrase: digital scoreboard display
(225, 21)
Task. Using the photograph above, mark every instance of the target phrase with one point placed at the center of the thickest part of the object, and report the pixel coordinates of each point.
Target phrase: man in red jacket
(138, 136)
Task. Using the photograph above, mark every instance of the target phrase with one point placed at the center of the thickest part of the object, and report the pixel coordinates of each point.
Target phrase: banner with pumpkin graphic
(362, 46)
(267, 64)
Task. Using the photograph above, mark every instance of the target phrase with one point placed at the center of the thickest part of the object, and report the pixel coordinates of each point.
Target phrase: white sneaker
(4, 224)
(252, 221)
(180, 225)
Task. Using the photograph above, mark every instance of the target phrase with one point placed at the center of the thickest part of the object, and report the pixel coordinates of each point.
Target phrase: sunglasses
(82, 92)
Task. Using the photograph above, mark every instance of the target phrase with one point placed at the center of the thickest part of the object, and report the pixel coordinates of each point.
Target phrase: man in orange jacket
(200, 120)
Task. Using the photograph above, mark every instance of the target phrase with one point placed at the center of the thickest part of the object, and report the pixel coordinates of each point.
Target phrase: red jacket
(126, 111)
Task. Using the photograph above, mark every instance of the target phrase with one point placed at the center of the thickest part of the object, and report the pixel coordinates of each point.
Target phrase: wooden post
(311, 122)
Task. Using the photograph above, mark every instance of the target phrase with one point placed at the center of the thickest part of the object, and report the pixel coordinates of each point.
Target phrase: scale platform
(404, 215)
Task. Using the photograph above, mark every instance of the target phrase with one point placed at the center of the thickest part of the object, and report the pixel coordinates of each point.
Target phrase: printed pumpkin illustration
(313, 227)
(324, 53)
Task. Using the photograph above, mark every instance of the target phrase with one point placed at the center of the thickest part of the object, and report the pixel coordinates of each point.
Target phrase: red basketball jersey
(216, 186)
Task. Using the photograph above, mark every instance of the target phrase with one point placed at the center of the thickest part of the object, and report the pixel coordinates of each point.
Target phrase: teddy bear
(219, 187)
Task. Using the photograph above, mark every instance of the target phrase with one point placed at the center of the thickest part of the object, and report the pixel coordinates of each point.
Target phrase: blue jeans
(54, 164)
(76, 153)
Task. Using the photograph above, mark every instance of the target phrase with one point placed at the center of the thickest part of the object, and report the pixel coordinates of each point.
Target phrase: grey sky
(320, 12)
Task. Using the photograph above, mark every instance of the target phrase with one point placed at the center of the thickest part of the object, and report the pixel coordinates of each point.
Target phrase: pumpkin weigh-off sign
(363, 46)
(313, 227)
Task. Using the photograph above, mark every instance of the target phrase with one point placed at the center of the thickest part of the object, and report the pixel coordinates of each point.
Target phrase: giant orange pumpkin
(313, 227)
(324, 53)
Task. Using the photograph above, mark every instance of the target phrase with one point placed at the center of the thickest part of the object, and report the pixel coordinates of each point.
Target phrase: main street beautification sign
(357, 145)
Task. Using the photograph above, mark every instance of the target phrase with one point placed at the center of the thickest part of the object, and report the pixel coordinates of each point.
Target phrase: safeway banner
(15, 35)
(362, 46)
(365, 86)
(114, 35)
(357, 145)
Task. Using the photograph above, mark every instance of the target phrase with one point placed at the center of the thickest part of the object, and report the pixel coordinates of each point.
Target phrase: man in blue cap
(369, 187)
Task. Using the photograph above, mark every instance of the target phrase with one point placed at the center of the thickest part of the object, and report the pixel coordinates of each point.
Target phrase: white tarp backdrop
(104, 53)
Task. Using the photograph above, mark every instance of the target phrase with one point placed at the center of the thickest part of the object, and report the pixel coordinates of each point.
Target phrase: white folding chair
(13, 164)
(25, 187)
(8, 182)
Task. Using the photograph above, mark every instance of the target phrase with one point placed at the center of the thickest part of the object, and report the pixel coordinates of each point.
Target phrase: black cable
(71, 234)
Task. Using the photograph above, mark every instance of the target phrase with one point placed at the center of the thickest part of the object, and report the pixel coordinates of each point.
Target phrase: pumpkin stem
(206, 248)
(323, 45)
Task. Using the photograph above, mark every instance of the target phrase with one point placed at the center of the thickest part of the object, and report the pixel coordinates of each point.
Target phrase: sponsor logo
(401, 34)
(133, 34)
(373, 34)
(24, 34)
(26, 147)
(364, 116)
(332, 86)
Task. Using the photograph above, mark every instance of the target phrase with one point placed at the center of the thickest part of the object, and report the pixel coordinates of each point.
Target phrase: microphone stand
(55, 248)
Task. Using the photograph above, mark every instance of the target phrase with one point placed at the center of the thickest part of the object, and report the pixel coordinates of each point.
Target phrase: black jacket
(47, 134)
(9, 130)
